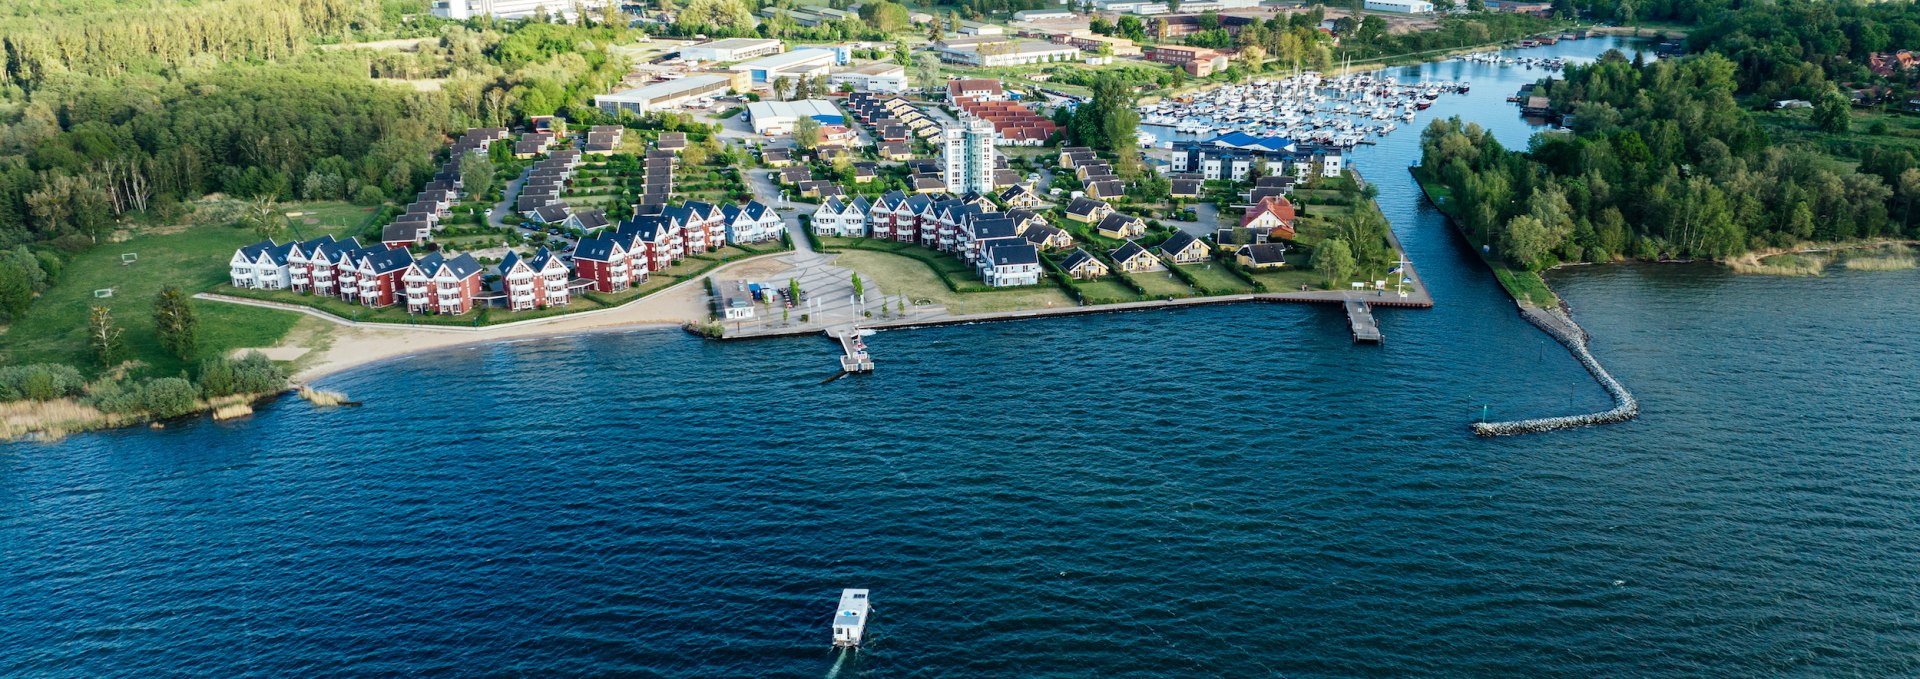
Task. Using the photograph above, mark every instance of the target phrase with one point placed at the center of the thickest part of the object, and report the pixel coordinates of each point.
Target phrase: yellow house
(1121, 226)
(1132, 258)
(1262, 256)
(1084, 266)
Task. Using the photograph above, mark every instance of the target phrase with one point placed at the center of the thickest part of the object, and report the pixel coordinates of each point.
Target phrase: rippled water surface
(1216, 491)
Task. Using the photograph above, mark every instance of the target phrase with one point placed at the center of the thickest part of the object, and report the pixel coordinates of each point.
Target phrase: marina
(1343, 111)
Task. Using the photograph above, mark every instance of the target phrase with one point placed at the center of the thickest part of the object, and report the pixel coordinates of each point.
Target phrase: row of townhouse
(1003, 246)
(435, 200)
(661, 235)
(539, 199)
(378, 276)
(893, 118)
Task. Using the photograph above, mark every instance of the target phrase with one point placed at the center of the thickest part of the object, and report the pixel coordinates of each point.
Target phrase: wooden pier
(854, 357)
(1360, 321)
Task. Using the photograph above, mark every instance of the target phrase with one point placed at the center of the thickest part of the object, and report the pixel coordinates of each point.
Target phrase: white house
(753, 223)
(1009, 262)
(1401, 6)
(841, 218)
(262, 265)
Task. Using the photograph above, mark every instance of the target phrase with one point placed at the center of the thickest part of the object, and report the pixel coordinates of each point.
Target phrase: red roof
(1277, 205)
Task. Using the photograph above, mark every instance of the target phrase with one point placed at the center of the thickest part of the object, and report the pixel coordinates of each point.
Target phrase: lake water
(1221, 491)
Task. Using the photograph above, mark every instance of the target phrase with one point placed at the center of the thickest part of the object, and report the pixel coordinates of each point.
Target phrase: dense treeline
(1660, 162)
(1793, 48)
(82, 150)
(109, 38)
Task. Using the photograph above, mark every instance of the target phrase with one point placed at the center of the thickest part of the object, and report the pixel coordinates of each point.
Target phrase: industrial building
(663, 94)
(879, 76)
(1008, 54)
(801, 63)
(1401, 6)
(778, 117)
(732, 49)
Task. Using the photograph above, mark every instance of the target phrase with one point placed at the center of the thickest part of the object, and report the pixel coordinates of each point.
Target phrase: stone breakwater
(1560, 325)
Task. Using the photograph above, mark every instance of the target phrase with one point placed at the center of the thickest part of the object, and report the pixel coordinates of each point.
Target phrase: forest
(1660, 162)
(125, 115)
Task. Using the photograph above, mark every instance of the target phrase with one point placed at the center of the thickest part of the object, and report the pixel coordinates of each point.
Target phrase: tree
(20, 277)
(263, 216)
(1529, 243)
(1476, 5)
(859, 288)
(476, 174)
(1832, 113)
(103, 337)
(806, 133)
(793, 291)
(1334, 260)
(174, 323)
(885, 16)
(731, 15)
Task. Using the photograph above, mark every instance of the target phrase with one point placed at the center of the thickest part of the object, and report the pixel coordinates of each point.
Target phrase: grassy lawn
(1216, 278)
(1161, 284)
(194, 258)
(899, 275)
(1286, 279)
(1107, 291)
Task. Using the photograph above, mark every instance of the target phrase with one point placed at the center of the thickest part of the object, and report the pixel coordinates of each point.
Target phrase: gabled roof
(405, 232)
(1079, 257)
(596, 249)
(385, 261)
(1115, 221)
(510, 261)
(993, 227)
(1129, 251)
(591, 219)
(1178, 242)
(1278, 206)
(552, 212)
(1014, 254)
(1264, 253)
(462, 267)
(543, 259)
(1086, 206)
(1041, 234)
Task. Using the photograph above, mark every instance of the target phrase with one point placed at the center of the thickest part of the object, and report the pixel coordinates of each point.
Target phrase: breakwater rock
(1559, 324)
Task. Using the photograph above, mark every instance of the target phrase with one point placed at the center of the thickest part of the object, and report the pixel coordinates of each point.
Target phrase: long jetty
(1561, 326)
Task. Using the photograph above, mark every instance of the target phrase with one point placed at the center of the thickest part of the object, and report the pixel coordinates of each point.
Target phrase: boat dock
(1360, 320)
(854, 357)
(850, 621)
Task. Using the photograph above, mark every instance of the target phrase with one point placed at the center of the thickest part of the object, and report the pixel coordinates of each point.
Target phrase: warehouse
(663, 94)
(879, 76)
(778, 117)
(802, 63)
(731, 49)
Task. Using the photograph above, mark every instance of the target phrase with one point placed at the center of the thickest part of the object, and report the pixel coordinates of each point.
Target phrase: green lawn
(1107, 291)
(194, 258)
(1161, 284)
(1216, 278)
(1288, 279)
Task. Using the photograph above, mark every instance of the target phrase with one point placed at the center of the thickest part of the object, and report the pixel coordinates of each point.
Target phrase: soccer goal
(128, 258)
(103, 293)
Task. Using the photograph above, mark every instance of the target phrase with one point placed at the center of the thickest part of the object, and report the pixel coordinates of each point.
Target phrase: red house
(1273, 214)
(377, 276)
(436, 284)
(605, 262)
(533, 282)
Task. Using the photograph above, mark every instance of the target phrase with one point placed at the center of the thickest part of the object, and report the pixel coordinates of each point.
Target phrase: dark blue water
(1224, 491)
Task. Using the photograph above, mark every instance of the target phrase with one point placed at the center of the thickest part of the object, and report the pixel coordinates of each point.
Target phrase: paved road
(767, 192)
(509, 197)
(1206, 220)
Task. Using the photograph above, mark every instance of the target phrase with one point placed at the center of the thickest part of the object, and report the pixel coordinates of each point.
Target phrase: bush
(116, 397)
(369, 194)
(39, 382)
(170, 397)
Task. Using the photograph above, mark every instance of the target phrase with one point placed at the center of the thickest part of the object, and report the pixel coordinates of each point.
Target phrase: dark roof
(1040, 234)
(1074, 260)
(1106, 188)
(552, 212)
(594, 249)
(1014, 253)
(1264, 252)
(1128, 251)
(1085, 206)
(592, 219)
(1114, 221)
(1186, 187)
(405, 232)
(1180, 240)
(993, 227)
(384, 261)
